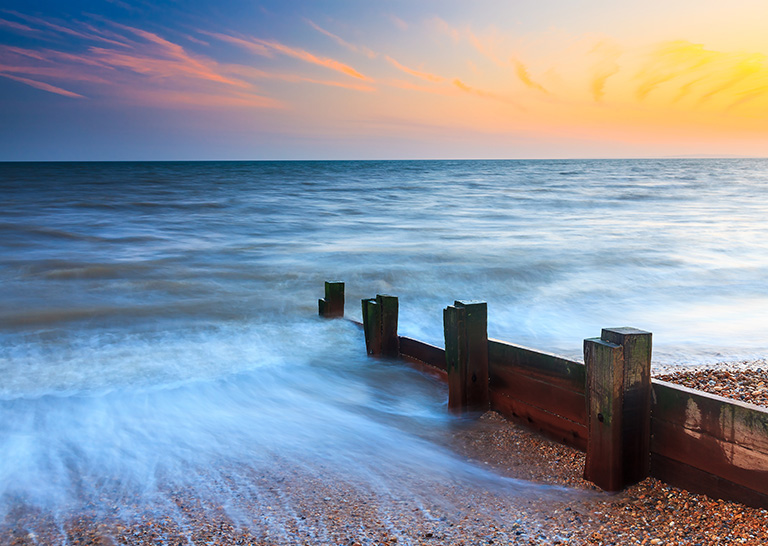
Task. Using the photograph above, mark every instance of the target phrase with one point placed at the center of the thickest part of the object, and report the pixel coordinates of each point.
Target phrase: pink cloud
(16, 26)
(43, 86)
(266, 47)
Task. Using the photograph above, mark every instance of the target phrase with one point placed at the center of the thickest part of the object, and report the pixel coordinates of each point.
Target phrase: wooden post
(333, 304)
(465, 325)
(389, 308)
(618, 407)
(636, 443)
(372, 326)
(380, 325)
(605, 380)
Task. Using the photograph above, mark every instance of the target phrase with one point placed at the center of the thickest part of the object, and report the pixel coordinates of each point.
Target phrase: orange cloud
(481, 93)
(400, 84)
(314, 59)
(423, 75)
(606, 67)
(711, 79)
(525, 77)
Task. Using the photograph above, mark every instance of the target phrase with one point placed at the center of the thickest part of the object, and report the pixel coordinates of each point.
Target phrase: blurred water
(159, 317)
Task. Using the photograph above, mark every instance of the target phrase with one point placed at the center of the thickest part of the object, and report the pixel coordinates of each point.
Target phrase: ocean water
(158, 320)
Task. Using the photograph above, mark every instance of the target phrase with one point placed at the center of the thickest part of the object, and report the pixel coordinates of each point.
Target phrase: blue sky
(115, 80)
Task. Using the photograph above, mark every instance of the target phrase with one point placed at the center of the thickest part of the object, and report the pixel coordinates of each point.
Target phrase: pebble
(312, 510)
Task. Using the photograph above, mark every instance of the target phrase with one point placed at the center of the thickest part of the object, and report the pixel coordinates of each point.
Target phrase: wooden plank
(605, 464)
(727, 460)
(428, 369)
(540, 393)
(698, 481)
(636, 400)
(722, 418)
(429, 354)
(554, 426)
(554, 369)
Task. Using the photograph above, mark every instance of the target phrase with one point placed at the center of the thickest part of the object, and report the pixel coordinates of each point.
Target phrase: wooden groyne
(630, 425)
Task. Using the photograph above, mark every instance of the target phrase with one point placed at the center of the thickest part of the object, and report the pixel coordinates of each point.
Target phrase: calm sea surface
(161, 317)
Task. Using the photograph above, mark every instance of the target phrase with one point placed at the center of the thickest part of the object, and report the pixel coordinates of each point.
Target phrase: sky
(357, 79)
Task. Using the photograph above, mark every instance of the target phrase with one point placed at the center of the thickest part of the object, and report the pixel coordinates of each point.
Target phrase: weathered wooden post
(380, 325)
(465, 326)
(618, 407)
(333, 304)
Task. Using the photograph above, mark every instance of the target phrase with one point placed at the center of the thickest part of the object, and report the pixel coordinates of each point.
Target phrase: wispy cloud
(607, 55)
(120, 60)
(484, 94)
(42, 85)
(168, 60)
(268, 47)
(308, 57)
(419, 74)
(399, 23)
(689, 71)
(525, 77)
(16, 26)
(254, 46)
(255, 73)
(342, 42)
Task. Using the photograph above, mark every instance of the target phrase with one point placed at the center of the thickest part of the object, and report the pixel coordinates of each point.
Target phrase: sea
(158, 320)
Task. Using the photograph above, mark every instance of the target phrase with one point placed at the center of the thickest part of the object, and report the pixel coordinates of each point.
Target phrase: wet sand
(290, 505)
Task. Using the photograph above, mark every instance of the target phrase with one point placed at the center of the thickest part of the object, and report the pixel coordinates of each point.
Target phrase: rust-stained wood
(540, 392)
(424, 352)
(423, 367)
(553, 369)
(722, 418)
(698, 481)
(605, 381)
(554, 426)
(715, 435)
(728, 460)
(332, 305)
(636, 400)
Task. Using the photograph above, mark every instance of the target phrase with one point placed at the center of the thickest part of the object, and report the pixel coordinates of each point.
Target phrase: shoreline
(548, 502)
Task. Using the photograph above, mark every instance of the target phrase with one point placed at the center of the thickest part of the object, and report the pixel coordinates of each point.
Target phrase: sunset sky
(353, 79)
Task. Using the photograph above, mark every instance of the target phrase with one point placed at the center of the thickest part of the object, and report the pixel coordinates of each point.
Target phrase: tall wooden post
(333, 304)
(618, 407)
(380, 325)
(465, 326)
(372, 326)
(605, 380)
(636, 442)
